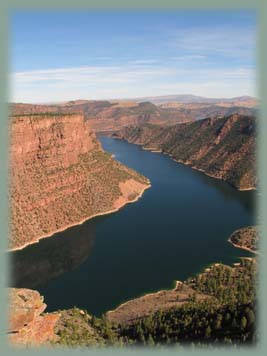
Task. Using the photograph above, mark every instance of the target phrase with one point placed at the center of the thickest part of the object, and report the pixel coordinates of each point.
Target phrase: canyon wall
(222, 148)
(61, 176)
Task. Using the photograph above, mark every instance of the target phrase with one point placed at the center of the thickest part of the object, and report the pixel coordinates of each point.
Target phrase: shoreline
(203, 271)
(144, 296)
(80, 222)
(186, 164)
(242, 247)
(211, 175)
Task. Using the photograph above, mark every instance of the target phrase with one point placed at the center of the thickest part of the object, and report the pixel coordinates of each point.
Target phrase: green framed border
(258, 5)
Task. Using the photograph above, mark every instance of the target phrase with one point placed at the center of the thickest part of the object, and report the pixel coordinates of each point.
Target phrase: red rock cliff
(28, 325)
(61, 176)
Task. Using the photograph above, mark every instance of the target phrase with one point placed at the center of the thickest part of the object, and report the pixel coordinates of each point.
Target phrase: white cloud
(144, 61)
(189, 57)
(220, 40)
(88, 73)
(107, 82)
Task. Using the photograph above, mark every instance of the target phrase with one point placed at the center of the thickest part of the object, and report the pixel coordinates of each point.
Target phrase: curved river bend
(179, 226)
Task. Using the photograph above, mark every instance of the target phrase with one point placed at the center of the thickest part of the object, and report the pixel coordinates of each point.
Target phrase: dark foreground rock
(28, 325)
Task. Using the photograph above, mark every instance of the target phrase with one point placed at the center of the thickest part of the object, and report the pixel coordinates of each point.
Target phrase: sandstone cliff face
(61, 176)
(222, 148)
(28, 326)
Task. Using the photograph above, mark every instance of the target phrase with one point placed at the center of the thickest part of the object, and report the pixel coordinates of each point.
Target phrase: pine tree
(244, 322)
(207, 332)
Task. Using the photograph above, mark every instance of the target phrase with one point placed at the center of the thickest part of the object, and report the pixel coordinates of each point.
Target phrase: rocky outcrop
(222, 148)
(60, 176)
(28, 326)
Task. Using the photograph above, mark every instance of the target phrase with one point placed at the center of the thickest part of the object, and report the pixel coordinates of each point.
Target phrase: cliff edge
(28, 325)
(61, 176)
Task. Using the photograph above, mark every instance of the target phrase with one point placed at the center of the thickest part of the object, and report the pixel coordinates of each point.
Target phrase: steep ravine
(222, 148)
(61, 176)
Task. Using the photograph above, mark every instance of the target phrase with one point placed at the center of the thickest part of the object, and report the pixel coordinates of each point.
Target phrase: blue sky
(60, 55)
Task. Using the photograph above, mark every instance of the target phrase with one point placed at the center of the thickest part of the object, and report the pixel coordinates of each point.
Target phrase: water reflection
(35, 265)
(247, 199)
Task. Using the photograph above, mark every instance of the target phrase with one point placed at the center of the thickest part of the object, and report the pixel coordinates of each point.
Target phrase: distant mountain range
(168, 110)
(188, 98)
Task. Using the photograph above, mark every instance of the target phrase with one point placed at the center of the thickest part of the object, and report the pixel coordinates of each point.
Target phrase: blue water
(179, 226)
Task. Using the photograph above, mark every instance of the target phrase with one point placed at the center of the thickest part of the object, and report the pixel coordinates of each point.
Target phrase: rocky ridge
(223, 148)
(113, 115)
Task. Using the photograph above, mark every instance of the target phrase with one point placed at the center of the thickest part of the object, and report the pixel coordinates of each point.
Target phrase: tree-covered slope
(228, 316)
(222, 148)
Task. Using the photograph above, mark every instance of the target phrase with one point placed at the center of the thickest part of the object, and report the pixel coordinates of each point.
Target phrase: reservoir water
(178, 227)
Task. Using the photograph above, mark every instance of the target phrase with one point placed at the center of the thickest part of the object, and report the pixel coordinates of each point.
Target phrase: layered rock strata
(61, 176)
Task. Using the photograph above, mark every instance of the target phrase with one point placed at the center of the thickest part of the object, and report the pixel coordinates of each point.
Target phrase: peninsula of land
(246, 238)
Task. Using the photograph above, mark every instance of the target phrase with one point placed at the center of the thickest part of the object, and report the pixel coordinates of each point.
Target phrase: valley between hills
(60, 176)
